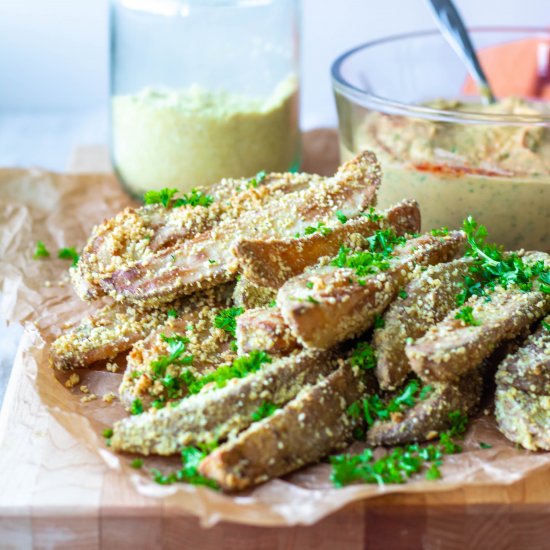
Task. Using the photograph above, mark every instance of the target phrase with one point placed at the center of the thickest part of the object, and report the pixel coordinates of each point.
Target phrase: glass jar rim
(180, 7)
(390, 106)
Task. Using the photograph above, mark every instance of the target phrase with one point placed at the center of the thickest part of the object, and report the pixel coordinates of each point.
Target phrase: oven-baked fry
(528, 369)
(272, 262)
(304, 431)
(430, 297)
(265, 329)
(328, 305)
(427, 418)
(207, 260)
(220, 412)
(452, 347)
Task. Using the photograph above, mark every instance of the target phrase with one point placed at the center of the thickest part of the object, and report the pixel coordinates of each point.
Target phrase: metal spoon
(452, 27)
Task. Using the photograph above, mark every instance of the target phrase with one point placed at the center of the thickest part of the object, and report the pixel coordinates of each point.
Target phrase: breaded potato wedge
(328, 305)
(219, 413)
(528, 369)
(110, 330)
(138, 234)
(430, 297)
(429, 417)
(272, 262)
(208, 346)
(207, 260)
(249, 295)
(304, 431)
(451, 348)
(523, 418)
(265, 329)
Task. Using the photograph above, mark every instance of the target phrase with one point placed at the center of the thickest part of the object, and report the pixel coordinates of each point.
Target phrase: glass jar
(439, 145)
(202, 90)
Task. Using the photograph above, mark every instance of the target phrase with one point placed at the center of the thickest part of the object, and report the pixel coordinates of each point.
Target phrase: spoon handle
(453, 29)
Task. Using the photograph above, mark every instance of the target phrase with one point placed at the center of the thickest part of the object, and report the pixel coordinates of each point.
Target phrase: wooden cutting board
(54, 493)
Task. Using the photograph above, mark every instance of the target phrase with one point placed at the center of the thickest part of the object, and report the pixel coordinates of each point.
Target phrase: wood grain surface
(54, 493)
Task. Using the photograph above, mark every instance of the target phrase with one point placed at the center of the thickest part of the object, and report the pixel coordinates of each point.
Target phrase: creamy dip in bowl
(457, 158)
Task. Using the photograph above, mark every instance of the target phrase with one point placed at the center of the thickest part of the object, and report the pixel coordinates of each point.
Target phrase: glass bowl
(399, 97)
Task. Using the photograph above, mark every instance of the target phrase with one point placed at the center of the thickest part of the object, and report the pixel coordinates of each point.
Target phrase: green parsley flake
(226, 319)
(372, 215)
(107, 433)
(545, 325)
(403, 294)
(311, 229)
(172, 313)
(239, 368)
(265, 410)
(312, 300)
(379, 321)
(166, 197)
(484, 445)
(137, 463)
(363, 356)
(40, 251)
(442, 232)
(257, 179)
(69, 254)
(191, 458)
(137, 406)
(273, 303)
(466, 315)
(342, 218)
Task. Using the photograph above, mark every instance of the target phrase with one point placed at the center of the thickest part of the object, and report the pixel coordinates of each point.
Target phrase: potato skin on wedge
(304, 431)
(429, 417)
(329, 304)
(430, 297)
(272, 262)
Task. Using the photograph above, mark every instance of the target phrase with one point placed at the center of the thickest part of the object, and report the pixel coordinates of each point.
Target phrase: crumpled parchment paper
(60, 210)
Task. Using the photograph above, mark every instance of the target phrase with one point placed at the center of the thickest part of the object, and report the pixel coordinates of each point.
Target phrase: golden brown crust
(265, 329)
(524, 418)
(304, 431)
(328, 305)
(429, 417)
(528, 369)
(430, 297)
(220, 412)
(249, 295)
(272, 262)
(207, 260)
(451, 347)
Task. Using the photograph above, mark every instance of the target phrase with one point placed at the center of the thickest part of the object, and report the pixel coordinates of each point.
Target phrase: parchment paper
(60, 210)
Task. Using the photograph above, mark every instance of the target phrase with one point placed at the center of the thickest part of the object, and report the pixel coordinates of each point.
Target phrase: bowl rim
(390, 106)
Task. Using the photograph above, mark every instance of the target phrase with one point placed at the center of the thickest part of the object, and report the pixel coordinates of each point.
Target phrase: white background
(54, 63)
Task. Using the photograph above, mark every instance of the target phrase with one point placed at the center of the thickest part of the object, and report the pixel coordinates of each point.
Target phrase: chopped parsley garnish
(107, 433)
(137, 406)
(491, 267)
(309, 284)
(374, 408)
(403, 294)
(342, 218)
(442, 232)
(69, 254)
(241, 367)
(176, 347)
(312, 300)
(166, 197)
(40, 251)
(273, 303)
(375, 259)
(137, 463)
(466, 315)
(257, 179)
(401, 463)
(484, 445)
(379, 321)
(265, 410)
(372, 215)
(172, 313)
(363, 356)
(191, 458)
(226, 319)
(545, 325)
(311, 229)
